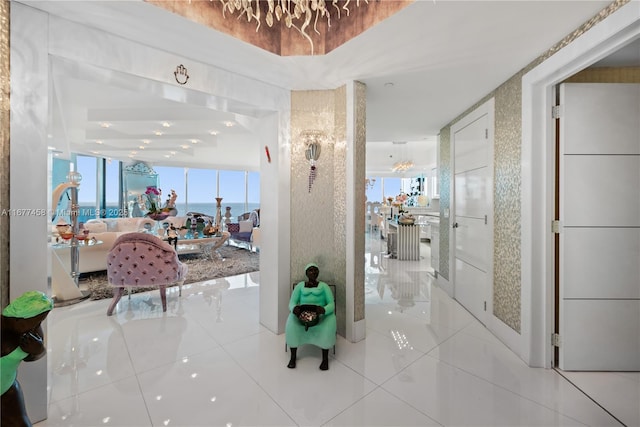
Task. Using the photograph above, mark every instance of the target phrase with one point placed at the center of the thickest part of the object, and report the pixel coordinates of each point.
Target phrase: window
(87, 192)
(112, 189)
(253, 191)
(201, 191)
(392, 187)
(233, 191)
(172, 178)
(197, 189)
(374, 192)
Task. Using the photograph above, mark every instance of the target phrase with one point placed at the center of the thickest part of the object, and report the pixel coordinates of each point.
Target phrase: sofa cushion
(246, 226)
(95, 226)
(127, 224)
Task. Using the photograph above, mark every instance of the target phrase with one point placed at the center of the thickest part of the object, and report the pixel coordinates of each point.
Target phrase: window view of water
(86, 213)
(240, 190)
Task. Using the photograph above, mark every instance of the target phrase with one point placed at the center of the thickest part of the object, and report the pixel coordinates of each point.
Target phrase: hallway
(207, 361)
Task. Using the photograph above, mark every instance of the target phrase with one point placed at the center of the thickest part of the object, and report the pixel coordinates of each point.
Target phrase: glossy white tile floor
(208, 362)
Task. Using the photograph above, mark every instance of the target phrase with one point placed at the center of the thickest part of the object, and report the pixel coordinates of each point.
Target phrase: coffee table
(202, 245)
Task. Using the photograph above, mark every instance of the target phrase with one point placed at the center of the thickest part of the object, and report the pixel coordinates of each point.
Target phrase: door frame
(538, 173)
(487, 108)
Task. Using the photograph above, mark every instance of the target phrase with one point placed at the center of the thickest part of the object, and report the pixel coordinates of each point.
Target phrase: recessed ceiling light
(98, 141)
(157, 133)
(184, 147)
(194, 141)
(95, 152)
(146, 141)
(214, 132)
(173, 153)
(141, 147)
(105, 125)
(229, 124)
(134, 152)
(167, 156)
(166, 124)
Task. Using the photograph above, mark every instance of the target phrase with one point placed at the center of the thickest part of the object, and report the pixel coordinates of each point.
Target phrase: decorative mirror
(136, 179)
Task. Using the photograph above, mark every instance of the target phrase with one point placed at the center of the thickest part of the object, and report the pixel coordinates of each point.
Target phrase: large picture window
(202, 187)
(196, 188)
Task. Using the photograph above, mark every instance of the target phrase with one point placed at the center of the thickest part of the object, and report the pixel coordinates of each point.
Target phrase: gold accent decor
(322, 26)
(297, 14)
(607, 75)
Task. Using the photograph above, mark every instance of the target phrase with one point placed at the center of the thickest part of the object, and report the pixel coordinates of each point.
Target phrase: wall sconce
(312, 138)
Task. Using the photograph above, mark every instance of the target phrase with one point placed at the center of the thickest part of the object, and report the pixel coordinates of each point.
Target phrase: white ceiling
(423, 67)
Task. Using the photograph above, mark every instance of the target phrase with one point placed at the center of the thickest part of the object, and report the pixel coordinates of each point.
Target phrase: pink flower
(152, 190)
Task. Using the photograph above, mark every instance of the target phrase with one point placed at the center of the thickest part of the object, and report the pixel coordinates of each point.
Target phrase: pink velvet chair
(141, 259)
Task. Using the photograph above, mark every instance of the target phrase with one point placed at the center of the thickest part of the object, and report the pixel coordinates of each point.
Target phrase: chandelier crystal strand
(287, 10)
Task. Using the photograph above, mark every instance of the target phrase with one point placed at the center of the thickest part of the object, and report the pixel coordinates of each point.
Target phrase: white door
(472, 145)
(599, 259)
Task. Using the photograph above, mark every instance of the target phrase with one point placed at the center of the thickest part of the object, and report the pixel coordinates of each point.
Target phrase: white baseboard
(508, 336)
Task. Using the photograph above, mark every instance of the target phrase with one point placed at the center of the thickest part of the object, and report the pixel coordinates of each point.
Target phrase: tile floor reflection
(208, 362)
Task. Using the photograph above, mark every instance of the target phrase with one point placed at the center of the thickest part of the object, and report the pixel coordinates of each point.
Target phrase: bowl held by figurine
(308, 316)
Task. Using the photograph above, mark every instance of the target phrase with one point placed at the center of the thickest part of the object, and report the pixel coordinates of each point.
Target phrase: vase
(158, 216)
(218, 212)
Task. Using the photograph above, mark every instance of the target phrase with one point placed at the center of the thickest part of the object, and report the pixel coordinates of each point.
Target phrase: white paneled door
(599, 259)
(472, 146)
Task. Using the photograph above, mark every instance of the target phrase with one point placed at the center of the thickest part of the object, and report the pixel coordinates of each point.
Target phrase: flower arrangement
(151, 200)
(400, 200)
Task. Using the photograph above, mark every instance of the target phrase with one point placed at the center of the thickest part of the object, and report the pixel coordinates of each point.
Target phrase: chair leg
(163, 297)
(117, 294)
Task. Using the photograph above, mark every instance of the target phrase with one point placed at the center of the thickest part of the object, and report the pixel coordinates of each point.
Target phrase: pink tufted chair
(142, 259)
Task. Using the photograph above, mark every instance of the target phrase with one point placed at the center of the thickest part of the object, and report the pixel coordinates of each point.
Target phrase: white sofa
(105, 230)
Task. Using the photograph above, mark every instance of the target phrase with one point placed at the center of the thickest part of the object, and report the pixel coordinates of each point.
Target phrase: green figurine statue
(22, 339)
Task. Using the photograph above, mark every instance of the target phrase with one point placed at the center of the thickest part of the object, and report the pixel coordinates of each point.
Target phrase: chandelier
(369, 183)
(294, 13)
(401, 165)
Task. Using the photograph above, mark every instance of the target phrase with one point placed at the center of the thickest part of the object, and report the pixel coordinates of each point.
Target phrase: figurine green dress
(22, 340)
(323, 334)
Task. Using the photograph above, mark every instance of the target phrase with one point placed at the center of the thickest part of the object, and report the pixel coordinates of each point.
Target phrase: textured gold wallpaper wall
(507, 182)
(312, 210)
(444, 178)
(360, 140)
(4, 148)
(318, 213)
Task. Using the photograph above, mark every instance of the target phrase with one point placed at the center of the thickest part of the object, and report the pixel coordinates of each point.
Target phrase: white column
(275, 220)
(30, 262)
